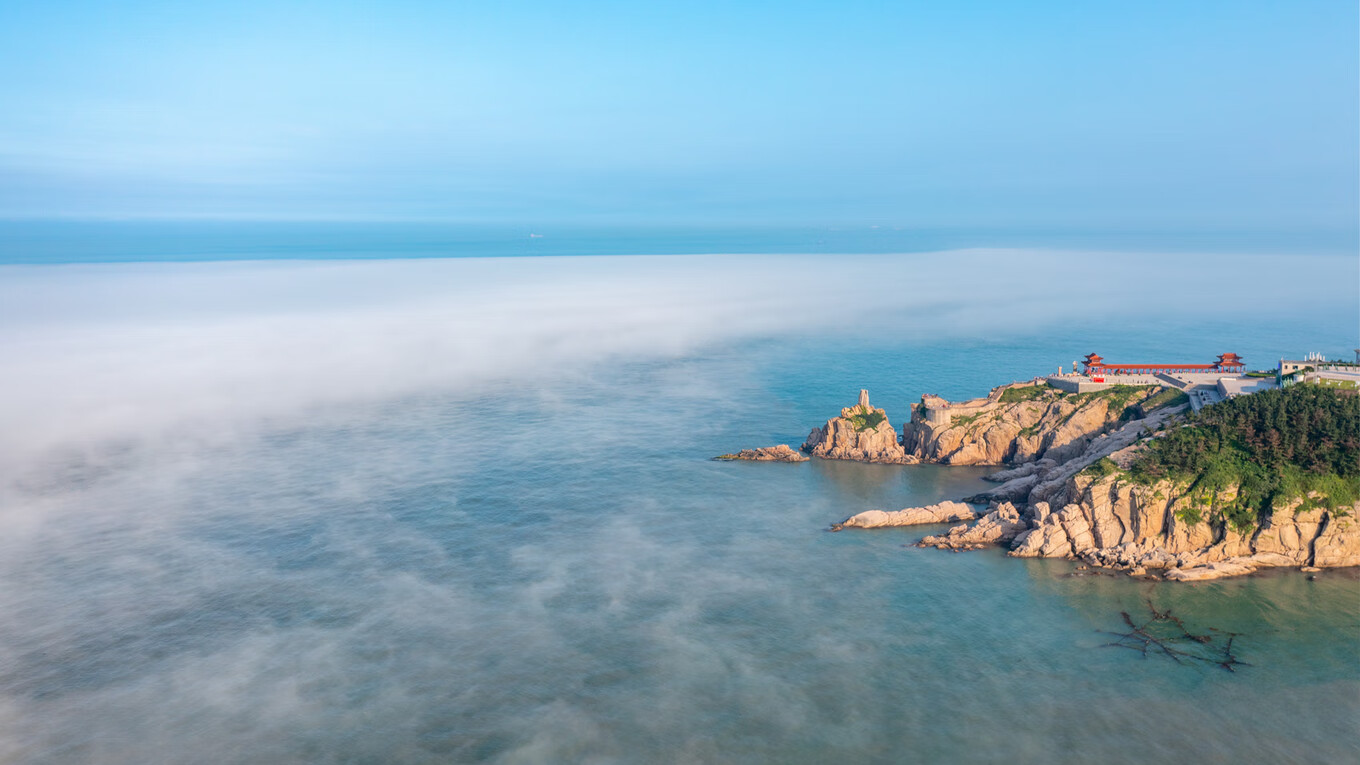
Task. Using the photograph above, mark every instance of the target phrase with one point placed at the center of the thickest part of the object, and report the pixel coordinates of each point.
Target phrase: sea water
(462, 511)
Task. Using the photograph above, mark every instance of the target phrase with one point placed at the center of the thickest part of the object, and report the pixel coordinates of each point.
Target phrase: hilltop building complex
(1206, 384)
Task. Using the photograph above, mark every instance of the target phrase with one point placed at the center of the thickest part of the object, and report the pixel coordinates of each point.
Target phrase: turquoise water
(540, 563)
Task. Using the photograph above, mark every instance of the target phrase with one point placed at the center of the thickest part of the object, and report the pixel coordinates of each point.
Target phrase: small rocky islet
(780, 453)
(1073, 486)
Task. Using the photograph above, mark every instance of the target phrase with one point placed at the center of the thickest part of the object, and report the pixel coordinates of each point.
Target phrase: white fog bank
(129, 352)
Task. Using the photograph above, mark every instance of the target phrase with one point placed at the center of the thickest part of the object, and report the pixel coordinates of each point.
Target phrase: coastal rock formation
(1114, 523)
(861, 433)
(1000, 526)
(1024, 471)
(1339, 542)
(944, 512)
(1072, 493)
(780, 453)
(1048, 479)
(1017, 424)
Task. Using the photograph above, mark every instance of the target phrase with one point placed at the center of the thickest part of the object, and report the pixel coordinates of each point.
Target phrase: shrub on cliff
(1101, 468)
(867, 421)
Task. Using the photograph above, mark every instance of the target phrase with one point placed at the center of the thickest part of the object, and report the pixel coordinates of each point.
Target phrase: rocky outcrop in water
(780, 453)
(860, 433)
(999, 526)
(944, 512)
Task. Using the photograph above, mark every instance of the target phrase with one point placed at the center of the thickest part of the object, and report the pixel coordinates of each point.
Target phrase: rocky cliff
(1018, 424)
(1046, 480)
(861, 433)
(1114, 522)
(1145, 529)
(1015, 424)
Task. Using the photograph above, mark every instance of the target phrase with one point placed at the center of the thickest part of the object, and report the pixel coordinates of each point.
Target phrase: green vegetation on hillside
(1118, 396)
(1164, 398)
(1271, 447)
(1121, 396)
(1028, 393)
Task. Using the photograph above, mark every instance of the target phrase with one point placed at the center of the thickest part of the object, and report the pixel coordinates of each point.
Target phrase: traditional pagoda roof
(1224, 363)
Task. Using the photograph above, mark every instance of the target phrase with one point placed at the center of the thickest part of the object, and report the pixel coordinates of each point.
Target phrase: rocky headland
(1118, 479)
(1027, 424)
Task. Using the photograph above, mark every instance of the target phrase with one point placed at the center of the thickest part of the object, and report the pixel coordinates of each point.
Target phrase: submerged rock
(1217, 570)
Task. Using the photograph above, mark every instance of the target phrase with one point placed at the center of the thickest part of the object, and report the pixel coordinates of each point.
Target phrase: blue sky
(1124, 114)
